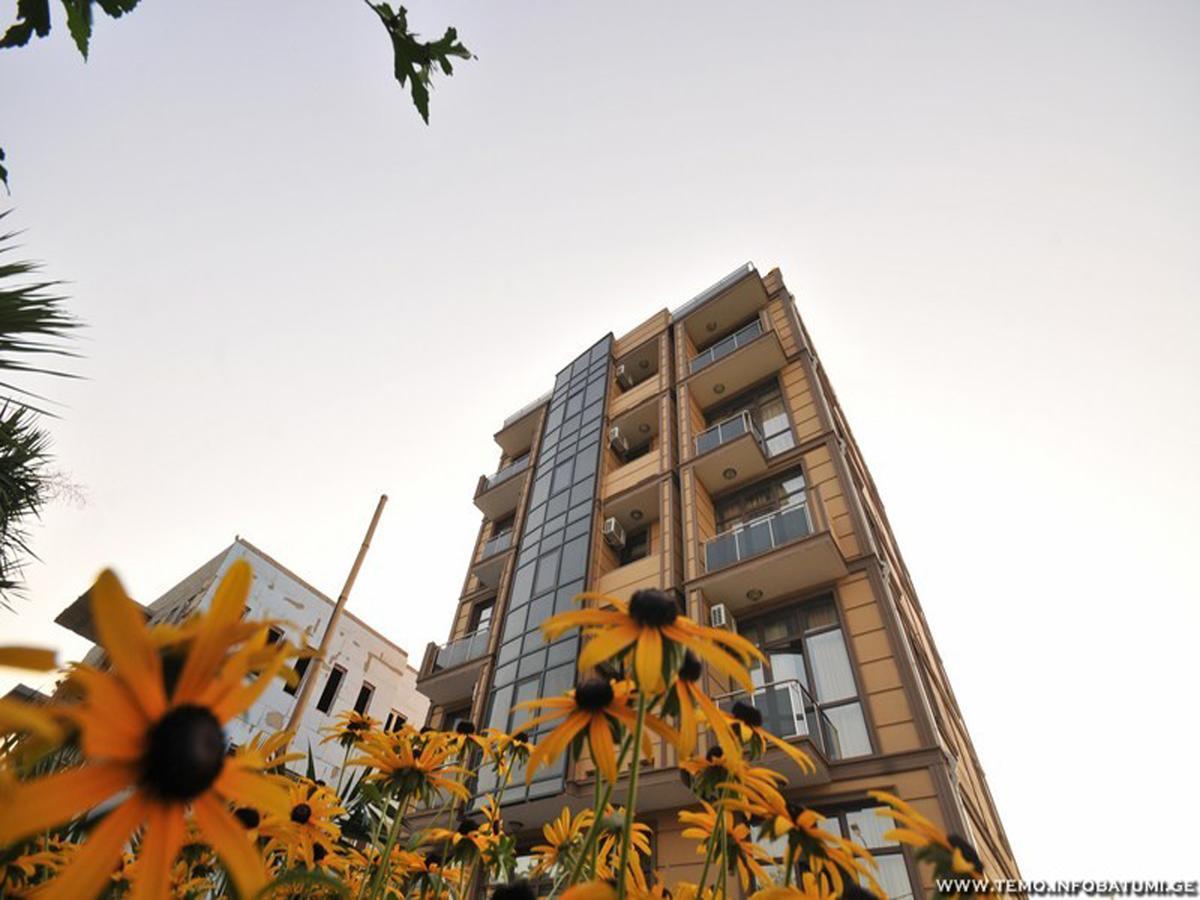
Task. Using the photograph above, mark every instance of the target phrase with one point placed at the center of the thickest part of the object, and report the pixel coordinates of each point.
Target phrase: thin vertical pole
(306, 687)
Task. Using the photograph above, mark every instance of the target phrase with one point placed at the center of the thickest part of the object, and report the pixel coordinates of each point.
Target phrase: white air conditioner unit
(614, 534)
(719, 617)
(617, 441)
(623, 378)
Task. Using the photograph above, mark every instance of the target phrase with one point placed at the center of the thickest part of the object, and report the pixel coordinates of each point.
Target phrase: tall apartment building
(705, 453)
(363, 670)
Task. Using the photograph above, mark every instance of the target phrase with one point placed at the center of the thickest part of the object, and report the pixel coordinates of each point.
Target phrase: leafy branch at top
(415, 60)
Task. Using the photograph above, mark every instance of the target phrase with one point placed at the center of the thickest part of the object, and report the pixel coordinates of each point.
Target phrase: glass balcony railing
(509, 471)
(759, 536)
(726, 345)
(465, 649)
(788, 710)
(497, 544)
(723, 432)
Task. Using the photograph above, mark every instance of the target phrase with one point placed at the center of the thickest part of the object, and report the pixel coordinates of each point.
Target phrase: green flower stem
(342, 771)
(594, 832)
(631, 800)
(374, 842)
(385, 863)
(708, 856)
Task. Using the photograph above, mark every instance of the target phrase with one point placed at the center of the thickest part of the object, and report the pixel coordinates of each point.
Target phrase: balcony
(729, 453)
(735, 362)
(790, 712)
(496, 495)
(781, 553)
(492, 559)
(449, 672)
(517, 433)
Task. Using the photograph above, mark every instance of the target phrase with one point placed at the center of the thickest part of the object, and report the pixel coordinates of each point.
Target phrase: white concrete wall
(363, 653)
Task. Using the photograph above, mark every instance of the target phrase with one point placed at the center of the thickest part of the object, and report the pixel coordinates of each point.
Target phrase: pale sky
(299, 296)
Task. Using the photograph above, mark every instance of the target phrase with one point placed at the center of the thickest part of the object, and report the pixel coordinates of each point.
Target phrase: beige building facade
(705, 453)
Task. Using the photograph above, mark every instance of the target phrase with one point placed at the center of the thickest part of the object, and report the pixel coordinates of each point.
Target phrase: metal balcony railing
(726, 345)
(759, 536)
(725, 431)
(512, 469)
(497, 544)
(789, 710)
(455, 653)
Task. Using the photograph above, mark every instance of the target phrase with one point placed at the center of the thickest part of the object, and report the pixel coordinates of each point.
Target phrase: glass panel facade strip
(552, 556)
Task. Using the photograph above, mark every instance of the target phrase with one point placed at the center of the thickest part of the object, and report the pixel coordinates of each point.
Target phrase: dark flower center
(247, 816)
(466, 826)
(521, 737)
(852, 890)
(357, 725)
(691, 669)
(794, 810)
(319, 852)
(593, 694)
(518, 890)
(301, 813)
(747, 714)
(185, 752)
(464, 727)
(653, 609)
(714, 752)
(967, 851)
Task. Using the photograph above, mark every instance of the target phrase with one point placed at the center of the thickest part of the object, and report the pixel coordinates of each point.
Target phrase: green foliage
(33, 327)
(415, 60)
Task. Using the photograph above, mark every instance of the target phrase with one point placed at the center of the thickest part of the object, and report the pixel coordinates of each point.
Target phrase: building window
(274, 635)
(767, 411)
(364, 698)
(808, 681)
(760, 499)
(300, 667)
(637, 546)
(452, 717)
(395, 721)
(336, 674)
(864, 827)
(481, 615)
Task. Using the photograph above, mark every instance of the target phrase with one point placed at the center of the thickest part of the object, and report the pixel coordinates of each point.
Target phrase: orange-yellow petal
(161, 843)
(89, 869)
(25, 718)
(231, 842)
(31, 806)
(212, 642)
(648, 660)
(36, 659)
(607, 644)
(240, 785)
(121, 627)
(603, 753)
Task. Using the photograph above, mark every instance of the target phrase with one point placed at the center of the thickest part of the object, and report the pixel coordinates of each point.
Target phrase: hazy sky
(298, 296)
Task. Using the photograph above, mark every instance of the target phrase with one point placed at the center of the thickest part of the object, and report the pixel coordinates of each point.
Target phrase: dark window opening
(637, 546)
(395, 721)
(300, 667)
(364, 698)
(481, 616)
(336, 674)
(274, 635)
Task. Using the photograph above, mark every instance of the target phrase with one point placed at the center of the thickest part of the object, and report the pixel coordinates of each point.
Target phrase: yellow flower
(749, 857)
(306, 832)
(591, 890)
(594, 708)
(684, 697)
(951, 855)
(652, 629)
(414, 765)
(351, 729)
(562, 835)
(821, 851)
(716, 771)
(746, 722)
(17, 717)
(168, 746)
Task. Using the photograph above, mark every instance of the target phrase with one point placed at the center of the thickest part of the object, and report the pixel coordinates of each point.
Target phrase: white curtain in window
(831, 666)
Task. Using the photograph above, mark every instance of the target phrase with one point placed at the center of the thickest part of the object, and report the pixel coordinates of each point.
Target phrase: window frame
(358, 701)
(332, 688)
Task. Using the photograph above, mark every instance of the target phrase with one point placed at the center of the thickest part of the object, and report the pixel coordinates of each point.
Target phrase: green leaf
(415, 59)
(311, 771)
(3, 172)
(33, 17)
(79, 23)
